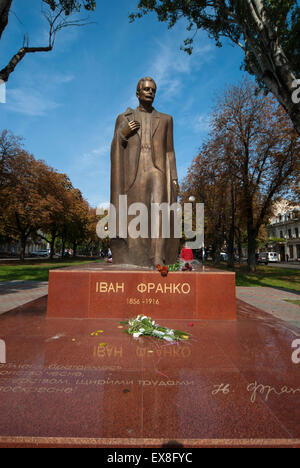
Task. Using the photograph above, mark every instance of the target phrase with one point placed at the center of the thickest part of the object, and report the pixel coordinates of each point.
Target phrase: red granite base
(111, 292)
(233, 384)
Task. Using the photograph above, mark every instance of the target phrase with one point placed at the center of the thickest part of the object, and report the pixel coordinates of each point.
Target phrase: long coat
(125, 156)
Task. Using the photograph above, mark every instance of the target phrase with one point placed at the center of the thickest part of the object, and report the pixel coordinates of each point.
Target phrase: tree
(9, 145)
(23, 211)
(264, 155)
(59, 14)
(266, 30)
(36, 201)
(75, 229)
(54, 188)
(211, 181)
(251, 157)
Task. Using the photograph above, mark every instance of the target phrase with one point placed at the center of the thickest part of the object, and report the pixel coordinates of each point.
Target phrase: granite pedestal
(106, 291)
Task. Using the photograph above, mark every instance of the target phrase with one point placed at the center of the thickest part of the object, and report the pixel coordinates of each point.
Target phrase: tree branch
(16, 59)
(56, 23)
(4, 12)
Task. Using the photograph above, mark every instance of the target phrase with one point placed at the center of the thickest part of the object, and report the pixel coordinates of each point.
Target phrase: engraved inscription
(105, 287)
(164, 288)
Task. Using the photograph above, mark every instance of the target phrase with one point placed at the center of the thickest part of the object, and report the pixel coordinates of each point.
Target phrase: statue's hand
(130, 128)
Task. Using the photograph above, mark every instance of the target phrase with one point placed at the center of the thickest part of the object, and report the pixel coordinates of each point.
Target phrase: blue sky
(64, 103)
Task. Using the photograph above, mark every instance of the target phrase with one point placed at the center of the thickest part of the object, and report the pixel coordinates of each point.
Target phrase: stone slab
(111, 292)
(233, 384)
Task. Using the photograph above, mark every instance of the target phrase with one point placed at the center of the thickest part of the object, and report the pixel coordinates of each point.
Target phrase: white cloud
(201, 123)
(60, 78)
(170, 65)
(91, 157)
(29, 101)
(33, 100)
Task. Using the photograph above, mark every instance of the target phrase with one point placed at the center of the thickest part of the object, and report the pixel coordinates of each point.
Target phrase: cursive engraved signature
(266, 390)
(255, 389)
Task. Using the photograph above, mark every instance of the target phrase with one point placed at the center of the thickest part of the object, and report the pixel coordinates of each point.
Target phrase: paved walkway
(273, 301)
(295, 266)
(17, 293)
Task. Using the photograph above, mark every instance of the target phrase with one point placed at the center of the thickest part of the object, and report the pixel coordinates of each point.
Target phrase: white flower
(142, 317)
(142, 330)
(157, 332)
(168, 338)
(136, 334)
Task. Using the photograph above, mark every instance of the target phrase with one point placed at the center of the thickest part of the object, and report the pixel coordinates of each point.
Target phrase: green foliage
(70, 6)
(230, 19)
(174, 267)
(275, 240)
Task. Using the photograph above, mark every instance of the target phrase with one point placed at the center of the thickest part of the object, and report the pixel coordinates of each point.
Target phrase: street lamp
(192, 199)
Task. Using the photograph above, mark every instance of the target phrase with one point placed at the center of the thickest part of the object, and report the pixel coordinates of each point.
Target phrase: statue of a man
(143, 168)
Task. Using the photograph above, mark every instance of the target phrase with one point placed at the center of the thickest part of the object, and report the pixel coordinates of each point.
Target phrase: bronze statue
(143, 168)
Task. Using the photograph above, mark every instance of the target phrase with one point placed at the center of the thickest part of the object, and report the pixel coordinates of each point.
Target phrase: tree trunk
(217, 248)
(272, 65)
(251, 248)
(281, 85)
(4, 12)
(23, 247)
(240, 249)
(251, 232)
(52, 245)
(230, 247)
(63, 245)
(74, 249)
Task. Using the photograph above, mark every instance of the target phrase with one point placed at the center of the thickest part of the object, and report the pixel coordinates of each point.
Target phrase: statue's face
(147, 92)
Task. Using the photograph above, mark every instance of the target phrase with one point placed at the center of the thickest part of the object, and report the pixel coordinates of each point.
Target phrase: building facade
(285, 226)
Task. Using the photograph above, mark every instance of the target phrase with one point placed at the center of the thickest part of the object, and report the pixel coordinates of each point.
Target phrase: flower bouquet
(143, 325)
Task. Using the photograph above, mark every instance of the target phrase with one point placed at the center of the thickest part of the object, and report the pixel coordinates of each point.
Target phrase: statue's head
(146, 89)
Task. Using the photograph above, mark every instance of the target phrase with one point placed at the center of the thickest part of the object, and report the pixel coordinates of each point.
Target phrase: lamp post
(192, 199)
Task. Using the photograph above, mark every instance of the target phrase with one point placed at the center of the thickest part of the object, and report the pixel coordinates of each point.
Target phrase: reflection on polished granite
(84, 382)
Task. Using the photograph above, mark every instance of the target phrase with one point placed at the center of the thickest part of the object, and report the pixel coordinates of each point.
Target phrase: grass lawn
(35, 270)
(272, 277)
(38, 270)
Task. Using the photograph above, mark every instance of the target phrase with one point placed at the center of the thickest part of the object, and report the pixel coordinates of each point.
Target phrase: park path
(273, 301)
(16, 293)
